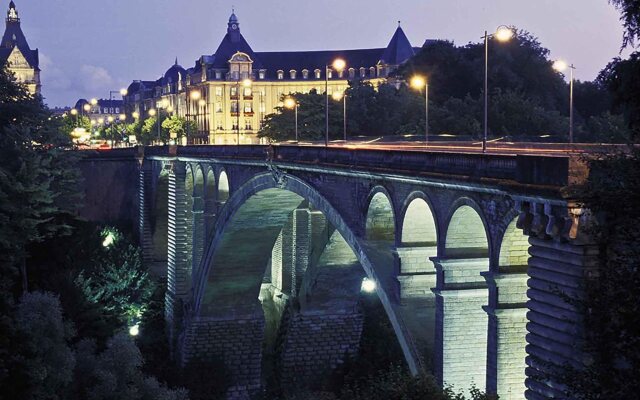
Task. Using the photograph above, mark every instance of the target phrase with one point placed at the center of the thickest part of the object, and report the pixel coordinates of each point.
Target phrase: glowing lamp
(368, 285)
(123, 91)
(339, 64)
(87, 107)
(134, 330)
(289, 102)
(246, 83)
(560, 65)
(74, 111)
(418, 82)
(195, 95)
(504, 33)
(152, 112)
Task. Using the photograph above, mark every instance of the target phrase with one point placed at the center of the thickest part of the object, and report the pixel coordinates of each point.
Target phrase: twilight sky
(89, 47)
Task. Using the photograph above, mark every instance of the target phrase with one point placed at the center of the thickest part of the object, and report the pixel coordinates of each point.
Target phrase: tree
(630, 10)
(621, 78)
(42, 367)
(178, 127)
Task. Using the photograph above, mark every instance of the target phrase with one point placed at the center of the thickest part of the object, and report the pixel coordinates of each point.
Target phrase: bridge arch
(380, 219)
(223, 186)
(159, 218)
(419, 224)
(231, 277)
(466, 234)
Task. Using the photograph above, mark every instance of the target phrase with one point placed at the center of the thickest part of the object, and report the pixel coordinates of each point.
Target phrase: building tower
(17, 55)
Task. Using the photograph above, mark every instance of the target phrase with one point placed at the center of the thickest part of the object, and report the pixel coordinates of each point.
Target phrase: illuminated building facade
(17, 55)
(230, 92)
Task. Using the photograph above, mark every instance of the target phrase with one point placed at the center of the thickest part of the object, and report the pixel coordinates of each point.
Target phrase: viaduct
(473, 256)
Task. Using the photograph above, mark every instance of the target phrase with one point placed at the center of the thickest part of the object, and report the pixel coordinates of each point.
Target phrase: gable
(17, 60)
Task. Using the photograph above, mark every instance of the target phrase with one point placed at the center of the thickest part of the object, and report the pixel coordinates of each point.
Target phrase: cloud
(93, 78)
(52, 76)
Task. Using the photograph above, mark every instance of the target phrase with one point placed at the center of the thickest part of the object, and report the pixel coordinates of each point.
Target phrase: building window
(363, 72)
(247, 124)
(352, 73)
(317, 73)
(261, 74)
(248, 107)
(234, 91)
(280, 74)
(247, 92)
(117, 110)
(218, 75)
(234, 126)
(305, 74)
(372, 72)
(234, 106)
(219, 126)
(218, 106)
(219, 91)
(329, 74)
(292, 73)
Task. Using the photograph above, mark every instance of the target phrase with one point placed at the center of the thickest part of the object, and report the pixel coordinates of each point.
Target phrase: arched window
(317, 73)
(363, 72)
(280, 74)
(305, 74)
(352, 73)
(292, 73)
(372, 72)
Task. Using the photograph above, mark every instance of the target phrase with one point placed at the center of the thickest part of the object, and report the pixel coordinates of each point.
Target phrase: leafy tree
(69, 123)
(116, 278)
(605, 128)
(42, 367)
(621, 78)
(630, 18)
(178, 127)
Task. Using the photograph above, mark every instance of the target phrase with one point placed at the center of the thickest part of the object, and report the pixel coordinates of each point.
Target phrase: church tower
(16, 53)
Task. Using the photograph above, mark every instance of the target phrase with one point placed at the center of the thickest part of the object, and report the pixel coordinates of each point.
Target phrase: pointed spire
(176, 63)
(12, 14)
(398, 50)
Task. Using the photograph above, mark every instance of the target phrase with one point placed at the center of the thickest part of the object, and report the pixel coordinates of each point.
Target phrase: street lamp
(291, 103)
(245, 83)
(562, 66)
(339, 65)
(337, 96)
(418, 82)
(194, 95)
(502, 34)
(110, 120)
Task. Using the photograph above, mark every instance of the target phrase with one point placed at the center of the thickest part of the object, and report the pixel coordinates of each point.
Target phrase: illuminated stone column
(417, 273)
(199, 232)
(461, 323)
(210, 214)
(145, 180)
(507, 332)
(179, 268)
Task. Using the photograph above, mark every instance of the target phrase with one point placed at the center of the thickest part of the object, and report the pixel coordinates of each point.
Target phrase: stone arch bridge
(266, 250)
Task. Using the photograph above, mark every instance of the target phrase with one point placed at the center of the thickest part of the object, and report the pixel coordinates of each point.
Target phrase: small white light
(134, 330)
(368, 285)
(109, 239)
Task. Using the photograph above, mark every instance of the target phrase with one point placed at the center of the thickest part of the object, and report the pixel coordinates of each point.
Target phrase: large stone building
(230, 92)
(17, 55)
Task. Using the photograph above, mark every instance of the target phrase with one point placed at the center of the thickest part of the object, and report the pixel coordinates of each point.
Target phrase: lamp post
(419, 82)
(152, 112)
(337, 96)
(246, 83)
(194, 96)
(110, 121)
(561, 66)
(339, 65)
(502, 34)
(74, 112)
(123, 92)
(291, 103)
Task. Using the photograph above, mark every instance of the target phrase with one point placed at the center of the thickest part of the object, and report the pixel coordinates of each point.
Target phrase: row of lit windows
(106, 110)
(318, 73)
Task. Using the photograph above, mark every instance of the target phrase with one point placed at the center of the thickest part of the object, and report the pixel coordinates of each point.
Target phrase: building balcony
(249, 97)
(248, 113)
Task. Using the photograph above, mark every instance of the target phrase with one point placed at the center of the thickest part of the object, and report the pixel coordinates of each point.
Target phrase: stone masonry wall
(312, 345)
(237, 343)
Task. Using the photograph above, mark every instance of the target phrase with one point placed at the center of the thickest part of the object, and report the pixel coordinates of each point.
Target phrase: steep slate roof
(232, 43)
(13, 37)
(311, 60)
(174, 74)
(399, 49)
